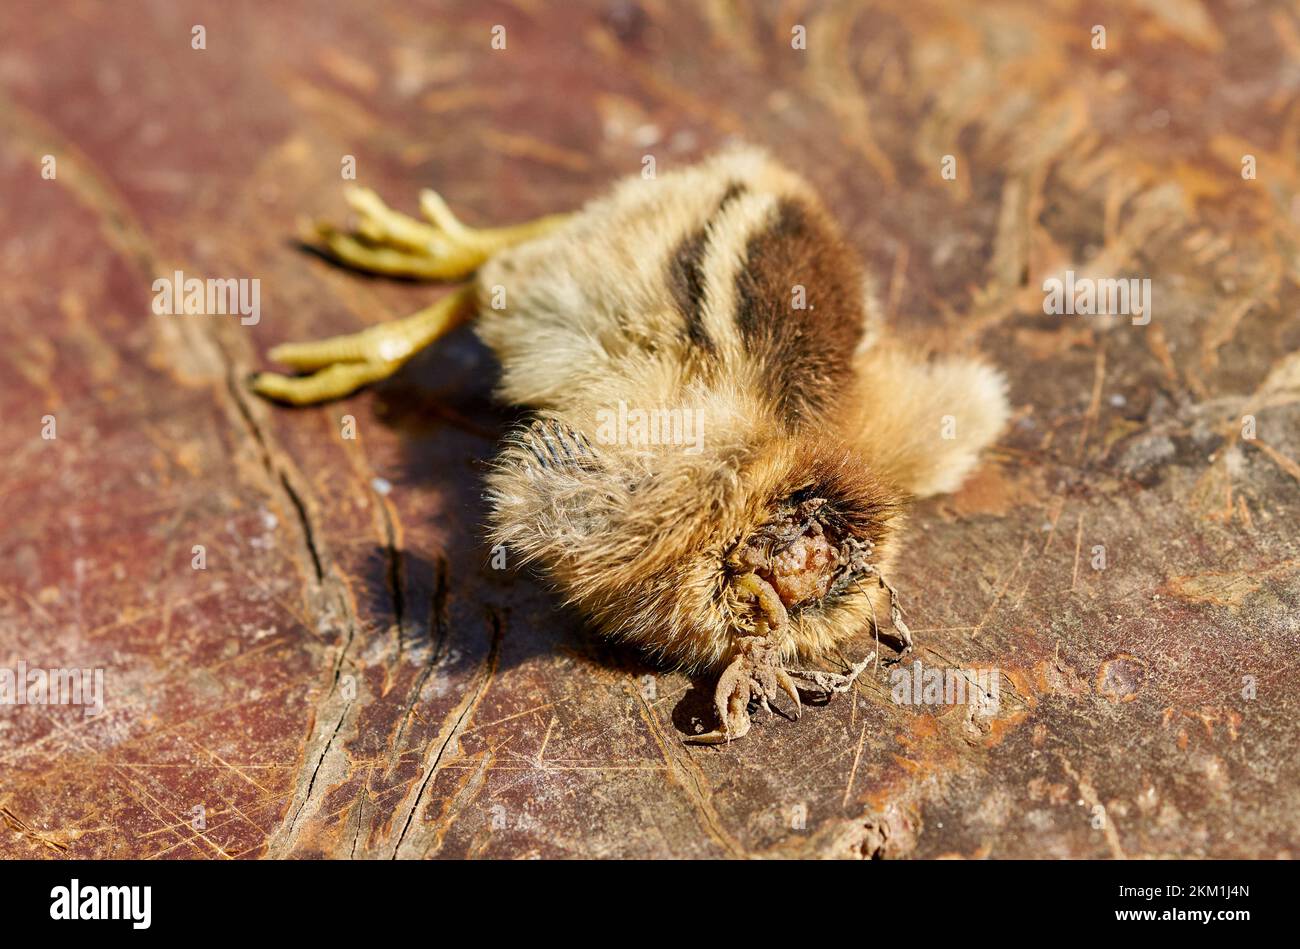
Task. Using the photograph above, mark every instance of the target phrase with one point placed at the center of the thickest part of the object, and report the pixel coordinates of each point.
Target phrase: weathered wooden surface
(350, 677)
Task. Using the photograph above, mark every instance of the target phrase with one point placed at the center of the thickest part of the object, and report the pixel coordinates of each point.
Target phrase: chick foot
(756, 674)
(342, 364)
(388, 242)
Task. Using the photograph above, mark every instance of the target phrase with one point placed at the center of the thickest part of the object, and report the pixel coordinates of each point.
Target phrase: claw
(732, 701)
(754, 675)
(788, 687)
(736, 726)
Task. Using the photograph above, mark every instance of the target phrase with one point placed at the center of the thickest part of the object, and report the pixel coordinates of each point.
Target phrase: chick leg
(440, 248)
(342, 364)
(388, 242)
(756, 672)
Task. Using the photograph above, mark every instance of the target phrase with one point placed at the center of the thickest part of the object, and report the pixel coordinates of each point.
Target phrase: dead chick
(723, 290)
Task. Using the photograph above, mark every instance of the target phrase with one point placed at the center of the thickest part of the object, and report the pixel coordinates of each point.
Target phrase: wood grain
(350, 677)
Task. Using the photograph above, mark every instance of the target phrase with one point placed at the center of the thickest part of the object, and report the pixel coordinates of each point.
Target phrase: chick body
(719, 301)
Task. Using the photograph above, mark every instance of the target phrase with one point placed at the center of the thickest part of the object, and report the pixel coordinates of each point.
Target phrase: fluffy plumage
(724, 291)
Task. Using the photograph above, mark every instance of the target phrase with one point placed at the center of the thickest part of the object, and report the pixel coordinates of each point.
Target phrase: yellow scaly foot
(441, 248)
(342, 364)
(388, 242)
